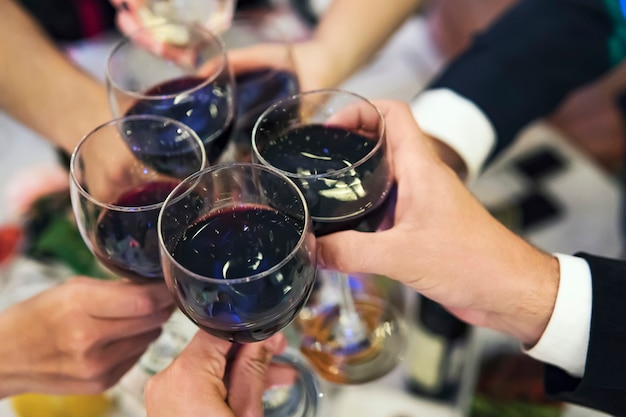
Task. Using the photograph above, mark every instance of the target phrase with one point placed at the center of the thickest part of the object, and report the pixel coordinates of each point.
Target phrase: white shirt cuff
(565, 340)
(456, 121)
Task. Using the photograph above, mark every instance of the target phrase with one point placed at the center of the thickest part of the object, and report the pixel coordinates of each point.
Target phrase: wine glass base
(361, 362)
(294, 390)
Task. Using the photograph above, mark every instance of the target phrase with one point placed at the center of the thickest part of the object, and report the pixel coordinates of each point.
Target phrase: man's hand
(194, 384)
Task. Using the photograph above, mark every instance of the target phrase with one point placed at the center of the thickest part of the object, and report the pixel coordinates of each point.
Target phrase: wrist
(525, 312)
(450, 157)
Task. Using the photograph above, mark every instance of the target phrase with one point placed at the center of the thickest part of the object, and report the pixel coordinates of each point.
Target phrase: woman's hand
(79, 337)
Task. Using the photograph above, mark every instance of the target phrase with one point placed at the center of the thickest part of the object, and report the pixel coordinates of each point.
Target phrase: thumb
(195, 376)
(248, 375)
(351, 252)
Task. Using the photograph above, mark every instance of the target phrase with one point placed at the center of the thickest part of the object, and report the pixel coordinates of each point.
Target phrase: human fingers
(127, 5)
(196, 375)
(88, 357)
(105, 381)
(352, 252)
(109, 330)
(405, 139)
(128, 15)
(123, 299)
(247, 380)
(363, 117)
(117, 351)
(260, 56)
(61, 384)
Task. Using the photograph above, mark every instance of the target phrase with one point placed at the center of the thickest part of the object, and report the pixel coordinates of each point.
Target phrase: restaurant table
(401, 69)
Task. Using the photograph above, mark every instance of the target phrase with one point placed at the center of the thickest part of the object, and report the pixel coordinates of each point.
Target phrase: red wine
(256, 90)
(239, 242)
(357, 200)
(126, 242)
(204, 108)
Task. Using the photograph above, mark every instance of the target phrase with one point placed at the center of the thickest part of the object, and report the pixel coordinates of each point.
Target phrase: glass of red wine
(331, 143)
(238, 250)
(120, 174)
(261, 59)
(177, 70)
(238, 255)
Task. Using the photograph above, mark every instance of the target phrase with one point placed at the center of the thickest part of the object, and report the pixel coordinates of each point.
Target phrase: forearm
(40, 87)
(534, 284)
(352, 31)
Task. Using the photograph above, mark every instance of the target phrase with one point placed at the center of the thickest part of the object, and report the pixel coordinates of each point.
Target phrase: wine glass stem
(350, 329)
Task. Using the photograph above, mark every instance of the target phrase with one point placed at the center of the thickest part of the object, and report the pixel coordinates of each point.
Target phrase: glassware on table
(120, 174)
(238, 250)
(331, 143)
(177, 70)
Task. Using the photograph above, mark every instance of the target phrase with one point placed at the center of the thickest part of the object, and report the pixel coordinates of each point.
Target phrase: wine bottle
(436, 354)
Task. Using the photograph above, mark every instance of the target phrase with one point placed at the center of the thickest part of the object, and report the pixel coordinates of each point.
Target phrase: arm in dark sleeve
(603, 385)
(525, 64)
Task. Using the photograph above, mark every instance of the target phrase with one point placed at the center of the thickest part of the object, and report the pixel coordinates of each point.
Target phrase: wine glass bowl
(214, 14)
(120, 174)
(178, 70)
(331, 144)
(260, 54)
(237, 250)
(343, 171)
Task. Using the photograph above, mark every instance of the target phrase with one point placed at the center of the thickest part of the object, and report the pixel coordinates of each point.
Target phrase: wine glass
(292, 388)
(238, 250)
(331, 143)
(260, 55)
(238, 256)
(177, 70)
(214, 14)
(120, 174)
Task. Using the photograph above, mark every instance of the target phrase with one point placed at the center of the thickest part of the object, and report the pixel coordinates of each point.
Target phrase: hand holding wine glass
(225, 392)
(80, 336)
(216, 15)
(341, 166)
(120, 174)
(238, 255)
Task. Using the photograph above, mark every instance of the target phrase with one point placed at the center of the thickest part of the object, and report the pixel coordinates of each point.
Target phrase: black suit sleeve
(525, 64)
(603, 385)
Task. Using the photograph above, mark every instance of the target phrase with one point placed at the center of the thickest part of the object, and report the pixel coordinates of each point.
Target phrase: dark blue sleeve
(524, 65)
(603, 385)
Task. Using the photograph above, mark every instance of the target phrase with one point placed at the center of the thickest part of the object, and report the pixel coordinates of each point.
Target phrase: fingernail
(125, 6)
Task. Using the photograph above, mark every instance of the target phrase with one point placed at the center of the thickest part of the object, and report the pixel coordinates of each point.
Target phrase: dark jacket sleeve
(603, 385)
(524, 64)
